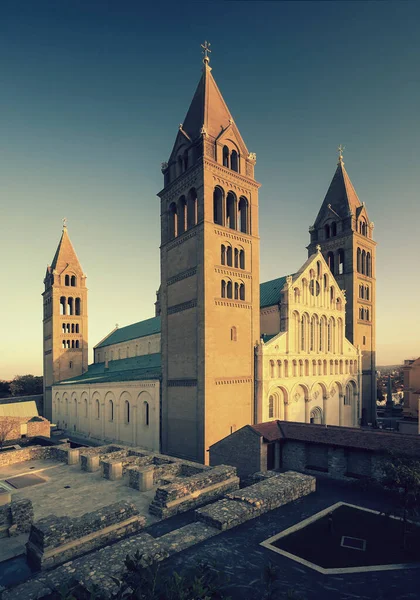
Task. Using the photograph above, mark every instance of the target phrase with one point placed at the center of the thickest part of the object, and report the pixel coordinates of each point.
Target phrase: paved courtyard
(238, 553)
(86, 491)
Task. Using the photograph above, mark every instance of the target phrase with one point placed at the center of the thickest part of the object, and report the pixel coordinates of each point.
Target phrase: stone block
(73, 456)
(5, 498)
(115, 471)
(92, 463)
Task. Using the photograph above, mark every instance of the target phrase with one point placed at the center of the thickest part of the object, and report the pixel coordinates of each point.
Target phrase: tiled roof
(347, 437)
(136, 368)
(270, 291)
(131, 332)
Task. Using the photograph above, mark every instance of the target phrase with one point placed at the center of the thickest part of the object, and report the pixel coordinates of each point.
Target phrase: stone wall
(194, 491)
(16, 517)
(241, 449)
(29, 453)
(16, 427)
(98, 451)
(55, 540)
(250, 502)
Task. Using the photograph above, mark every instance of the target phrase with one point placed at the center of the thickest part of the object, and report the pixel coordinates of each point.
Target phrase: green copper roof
(270, 291)
(126, 369)
(267, 337)
(131, 332)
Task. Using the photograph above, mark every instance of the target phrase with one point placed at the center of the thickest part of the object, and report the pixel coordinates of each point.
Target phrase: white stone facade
(125, 412)
(309, 371)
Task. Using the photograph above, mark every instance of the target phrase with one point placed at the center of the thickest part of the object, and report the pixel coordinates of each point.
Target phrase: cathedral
(222, 350)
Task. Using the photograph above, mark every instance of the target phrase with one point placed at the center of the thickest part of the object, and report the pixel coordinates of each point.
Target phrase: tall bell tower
(345, 233)
(209, 294)
(65, 324)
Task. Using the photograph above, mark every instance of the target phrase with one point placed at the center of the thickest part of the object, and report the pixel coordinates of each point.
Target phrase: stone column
(307, 410)
(118, 419)
(340, 408)
(134, 424)
(103, 420)
(325, 409)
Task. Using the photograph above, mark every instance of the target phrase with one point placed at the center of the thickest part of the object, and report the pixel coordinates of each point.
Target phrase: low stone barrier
(13, 457)
(16, 517)
(91, 458)
(250, 502)
(55, 540)
(192, 492)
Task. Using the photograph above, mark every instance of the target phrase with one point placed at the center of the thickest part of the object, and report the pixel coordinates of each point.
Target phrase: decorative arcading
(183, 238)
(182, 185)
(182, 306)
(238, 238)
(232, 304)
(220, 171)
(230, 380)
(232, 272)
(182, 383)
(182, 276)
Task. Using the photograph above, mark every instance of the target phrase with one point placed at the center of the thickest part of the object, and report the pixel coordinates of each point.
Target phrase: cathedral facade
(222, 351)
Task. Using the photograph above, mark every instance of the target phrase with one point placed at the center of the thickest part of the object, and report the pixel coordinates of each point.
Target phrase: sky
(91, 97)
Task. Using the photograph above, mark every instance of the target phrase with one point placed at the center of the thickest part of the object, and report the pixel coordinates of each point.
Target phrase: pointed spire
(341, 198)
(65, 254)
(208, 113)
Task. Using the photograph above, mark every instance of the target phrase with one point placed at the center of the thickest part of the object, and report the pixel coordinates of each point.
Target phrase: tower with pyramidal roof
(65, 324)
(209, 294)
(345, 233)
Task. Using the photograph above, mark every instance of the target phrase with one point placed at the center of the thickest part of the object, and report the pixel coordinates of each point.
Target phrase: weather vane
(65, 222)
(205, 51)
(340, 152)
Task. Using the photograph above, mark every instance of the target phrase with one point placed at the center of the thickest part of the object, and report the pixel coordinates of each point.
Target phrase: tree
(26, 385)
(402, 476)
(4, 388)
(6, 427)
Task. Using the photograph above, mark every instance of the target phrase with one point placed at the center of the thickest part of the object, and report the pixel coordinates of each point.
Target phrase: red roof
(346, 437)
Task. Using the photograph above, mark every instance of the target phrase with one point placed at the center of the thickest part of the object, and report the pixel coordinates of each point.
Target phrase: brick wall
(28, 453)
(11, 428)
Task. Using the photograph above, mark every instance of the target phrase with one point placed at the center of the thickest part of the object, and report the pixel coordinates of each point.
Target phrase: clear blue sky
(91, 97)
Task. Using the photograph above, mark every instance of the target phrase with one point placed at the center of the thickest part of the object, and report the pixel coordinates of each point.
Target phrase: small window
(364, 340)
(67, 280)
(229, 289)
(223, 255)
(71, 364)
(229, 256)
(73, 281)
(223, 289)
(233, 337)
(146, 414)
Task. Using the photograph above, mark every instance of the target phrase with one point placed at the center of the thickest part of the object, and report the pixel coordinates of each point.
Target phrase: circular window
(314, 287)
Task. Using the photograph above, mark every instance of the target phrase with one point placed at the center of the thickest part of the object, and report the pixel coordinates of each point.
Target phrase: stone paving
(87, 491)
(238, 553)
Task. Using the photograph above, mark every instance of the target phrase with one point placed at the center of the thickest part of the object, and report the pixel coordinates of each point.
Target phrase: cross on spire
(206, 50)
(64, 222)
(340, 153)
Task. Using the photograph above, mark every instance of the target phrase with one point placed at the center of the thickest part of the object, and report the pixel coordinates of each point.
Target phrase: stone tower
(65, 323)
(209, 294)
(344, 231)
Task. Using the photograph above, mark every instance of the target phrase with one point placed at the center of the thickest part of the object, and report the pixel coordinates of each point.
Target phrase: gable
(232, 137)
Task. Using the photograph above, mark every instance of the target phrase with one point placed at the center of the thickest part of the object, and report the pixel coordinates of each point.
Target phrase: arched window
(363, 262)
(296, 294)
(368, 265)
(229, 289)
(301, 368)
(236, 290)
(173, 221)
(233, 334)
(331, 367)
(236, 262)
(77, 307)
(242, 291)
(223, 255)
(229, 256)
(110, 410)
(307, 367)
(86, 408)
(231, 210)
(340, 262)
(302, 333)
(218, 206)
(321, 334)
(279, 368)
(333, 229)
(325, 365)
(63, 344)
(182, 216)
(192, 208)
(367, 292)
(127, 411)
(318, 269)
(330, 261)
(67, 280)
(70, 306)
(272, 369)
(325, 281)
(242, 259)
(294, 363)
(332, 296)
(271, 407)
(329, 336)
(77, 343)
(146, 413)
(73, 281)
(312, 335)
(359, 260)
(314, 364)
(243, 215)
(98, 409)
(341, 367)
(72, 343)
(367, 315)
(286, 368)
(223, 289)
(226, 156)
(327, 231)
(234, 162)
(185, 160)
